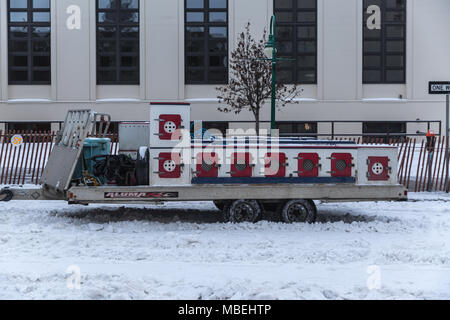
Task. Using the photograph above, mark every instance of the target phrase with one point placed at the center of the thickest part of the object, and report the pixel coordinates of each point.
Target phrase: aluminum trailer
(243, 191)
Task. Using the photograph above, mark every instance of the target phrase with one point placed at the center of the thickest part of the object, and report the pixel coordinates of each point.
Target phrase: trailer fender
(6, 195)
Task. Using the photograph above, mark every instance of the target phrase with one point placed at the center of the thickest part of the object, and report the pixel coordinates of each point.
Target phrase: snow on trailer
(243, 175)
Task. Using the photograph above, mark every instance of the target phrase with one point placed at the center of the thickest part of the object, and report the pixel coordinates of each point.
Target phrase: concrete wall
(339, 94)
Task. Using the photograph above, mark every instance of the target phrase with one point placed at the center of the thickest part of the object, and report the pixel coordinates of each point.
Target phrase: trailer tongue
(242, 175)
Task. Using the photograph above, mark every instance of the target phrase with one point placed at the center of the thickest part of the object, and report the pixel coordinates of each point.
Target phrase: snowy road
(178, 251)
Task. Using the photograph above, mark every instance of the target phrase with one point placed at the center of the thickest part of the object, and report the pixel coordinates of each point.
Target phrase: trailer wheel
(300, 211)
(8, 195)
(244, 211)
(224, 206)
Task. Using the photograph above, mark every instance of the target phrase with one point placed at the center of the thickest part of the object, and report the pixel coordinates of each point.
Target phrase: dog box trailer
(242, 175)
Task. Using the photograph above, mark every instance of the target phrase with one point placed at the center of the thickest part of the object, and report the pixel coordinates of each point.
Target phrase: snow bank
(181, 251)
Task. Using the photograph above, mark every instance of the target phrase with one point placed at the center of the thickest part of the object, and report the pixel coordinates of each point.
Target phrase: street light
(270, 52)
(270, 48)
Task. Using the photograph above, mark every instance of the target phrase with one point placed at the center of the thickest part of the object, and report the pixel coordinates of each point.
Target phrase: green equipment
(92, 148)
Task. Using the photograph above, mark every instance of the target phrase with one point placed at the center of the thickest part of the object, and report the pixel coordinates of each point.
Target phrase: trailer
(243, 175)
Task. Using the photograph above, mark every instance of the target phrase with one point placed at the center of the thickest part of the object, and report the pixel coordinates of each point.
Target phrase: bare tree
(250, 83)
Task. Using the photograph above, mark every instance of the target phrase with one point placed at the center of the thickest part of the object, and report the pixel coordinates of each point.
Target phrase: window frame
(296, 39)
(30, 40)
(205, 53)
(17, 126)
(385, 136)
(117, 53)
(383, 53)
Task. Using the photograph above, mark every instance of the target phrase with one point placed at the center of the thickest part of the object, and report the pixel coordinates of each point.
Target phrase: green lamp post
(271, 54)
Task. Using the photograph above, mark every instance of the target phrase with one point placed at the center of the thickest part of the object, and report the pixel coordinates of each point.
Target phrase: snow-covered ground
(180, 251)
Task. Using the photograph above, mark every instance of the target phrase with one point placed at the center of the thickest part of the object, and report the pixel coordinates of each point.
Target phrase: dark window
(384, 47)
(28, 126)
(208, 125)
(307, 129)
(296, 22)
(118, 42)
(220, 126)
(384, 130)
(206, 41)
(29, 42)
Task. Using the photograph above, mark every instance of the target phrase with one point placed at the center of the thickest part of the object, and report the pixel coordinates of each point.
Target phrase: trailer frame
(251, 194)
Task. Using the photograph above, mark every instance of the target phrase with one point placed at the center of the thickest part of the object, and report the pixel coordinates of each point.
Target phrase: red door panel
(378, 169)
(169, 166)
(207, 165)
(308, 165)
(241, 165)
(341, 164)
(168, 125)
(275, 165)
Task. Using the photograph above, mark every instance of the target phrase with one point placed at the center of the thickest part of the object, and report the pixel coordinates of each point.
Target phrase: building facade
(365, 64)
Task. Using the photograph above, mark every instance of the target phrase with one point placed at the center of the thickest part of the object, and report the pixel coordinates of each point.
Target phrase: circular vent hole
(170, 127)
(169, 165)
(241, 166)
(308, 165)
(341, 165)
(377, 168)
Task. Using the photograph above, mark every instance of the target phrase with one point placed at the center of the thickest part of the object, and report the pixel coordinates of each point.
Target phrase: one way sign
(436, 87)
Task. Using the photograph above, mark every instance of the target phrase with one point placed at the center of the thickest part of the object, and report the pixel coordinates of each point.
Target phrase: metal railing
(25, 163)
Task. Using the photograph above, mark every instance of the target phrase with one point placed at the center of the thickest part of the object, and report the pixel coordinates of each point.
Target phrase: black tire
(8, 195)
(299, 211)
(244, 211)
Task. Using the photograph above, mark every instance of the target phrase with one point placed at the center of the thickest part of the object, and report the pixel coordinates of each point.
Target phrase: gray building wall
(338, 95)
